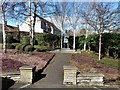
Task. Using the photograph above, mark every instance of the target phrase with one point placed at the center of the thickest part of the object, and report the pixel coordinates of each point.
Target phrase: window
(43, 24)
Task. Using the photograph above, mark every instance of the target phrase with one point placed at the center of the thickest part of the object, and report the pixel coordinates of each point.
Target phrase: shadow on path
(6, 83)
(39, 75)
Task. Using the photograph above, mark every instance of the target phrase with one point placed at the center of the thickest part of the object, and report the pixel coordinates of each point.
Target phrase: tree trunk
(61, 41)
(100, 36)
(30, 24)
(74, 39)
(34, 21)
(3, 30)
(85, 40)
(61, 38)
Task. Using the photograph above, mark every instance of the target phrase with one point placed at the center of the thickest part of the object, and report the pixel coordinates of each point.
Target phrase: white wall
(52, 30)
(38, 28)
(25, 27)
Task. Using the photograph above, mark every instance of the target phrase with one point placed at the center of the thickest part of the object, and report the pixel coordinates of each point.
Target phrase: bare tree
(32, 24)
(86, 35)
(3, 29)
(74, 18)
(20, 13)
(60, 17)
(5, 8)
(100, 16)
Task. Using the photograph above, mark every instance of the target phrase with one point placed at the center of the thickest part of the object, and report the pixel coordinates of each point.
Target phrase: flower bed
(11, 61)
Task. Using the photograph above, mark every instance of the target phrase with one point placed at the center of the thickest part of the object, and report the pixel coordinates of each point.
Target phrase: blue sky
(64, 0)
(16, 22)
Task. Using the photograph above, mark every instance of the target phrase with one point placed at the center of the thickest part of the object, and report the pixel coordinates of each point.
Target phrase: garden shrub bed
(11, 61)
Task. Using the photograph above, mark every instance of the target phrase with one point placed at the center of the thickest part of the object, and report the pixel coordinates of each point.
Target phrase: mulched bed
(11, 61)
(87, 64)
(84, 59)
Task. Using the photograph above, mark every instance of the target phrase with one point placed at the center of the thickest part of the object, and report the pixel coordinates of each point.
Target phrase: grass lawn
(0, 45)
(110, 62)
(41, 48)
(106, 61)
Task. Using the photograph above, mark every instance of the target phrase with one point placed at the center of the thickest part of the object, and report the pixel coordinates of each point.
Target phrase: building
(10, 29)
(41, 26)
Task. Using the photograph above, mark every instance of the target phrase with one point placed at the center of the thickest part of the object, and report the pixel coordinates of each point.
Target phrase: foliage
(48, 40)
(15, 44)
(41, 48)
(29, 48)
(92, 42)
(70, 39)
(10, 46)
(81, 41)
(18, 46)
(9, 38)
(22, 47)
(25, 40)
(51, 40)
(110, 43)
(109, 62)
(40, 39)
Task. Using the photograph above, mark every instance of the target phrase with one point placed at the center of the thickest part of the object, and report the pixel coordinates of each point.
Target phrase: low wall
(90, 79)
(82, 79)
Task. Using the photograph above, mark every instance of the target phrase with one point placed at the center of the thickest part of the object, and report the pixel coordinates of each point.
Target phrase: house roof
(116, 31)
(10, 28)
(49, 23)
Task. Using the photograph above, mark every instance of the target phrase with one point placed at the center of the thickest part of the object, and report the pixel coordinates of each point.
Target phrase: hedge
(10, 46)
(18, 46)
(25, 40)
(22, 47)
(110, 43)
(29, 48)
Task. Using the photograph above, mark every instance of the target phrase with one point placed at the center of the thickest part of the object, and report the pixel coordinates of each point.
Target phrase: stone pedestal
(27, 74)
(70, 73)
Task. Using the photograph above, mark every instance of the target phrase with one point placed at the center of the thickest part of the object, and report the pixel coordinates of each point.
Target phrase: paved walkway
(54, 73)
